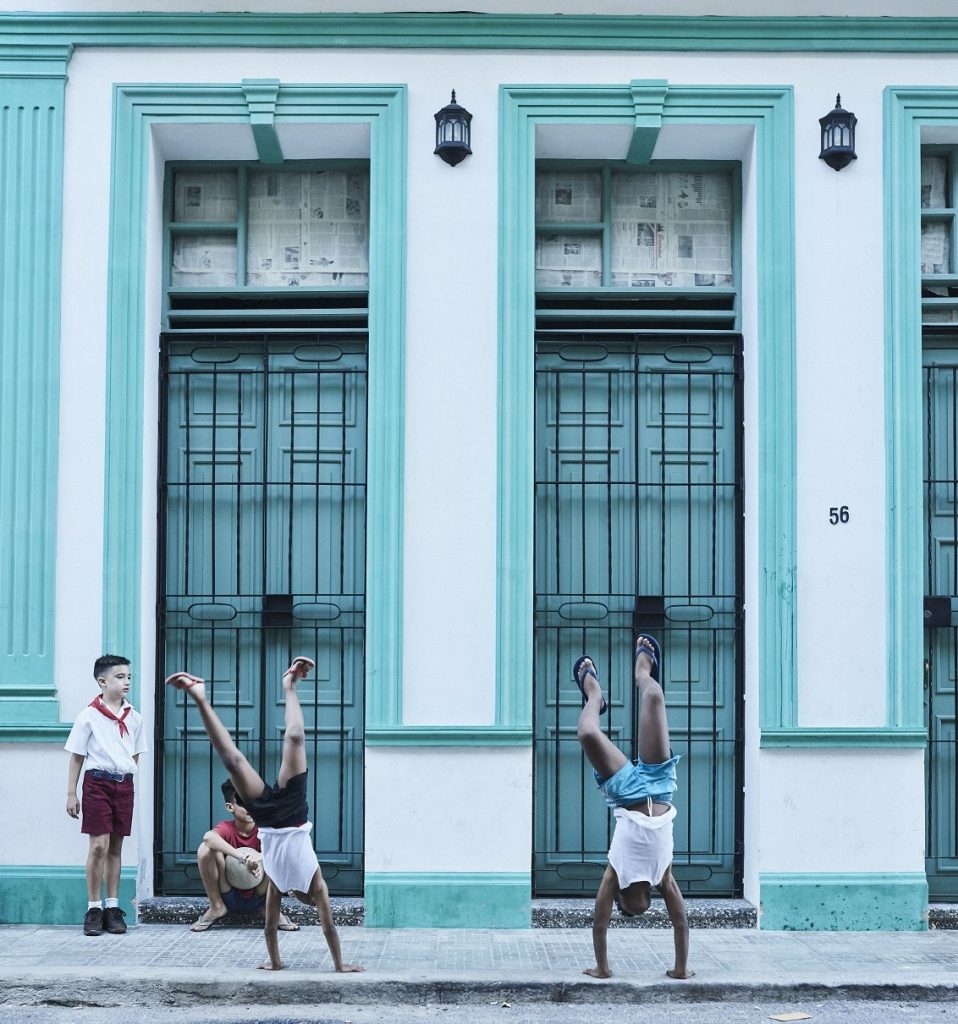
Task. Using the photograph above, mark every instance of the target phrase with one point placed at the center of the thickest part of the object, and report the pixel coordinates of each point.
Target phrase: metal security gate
(638, 526)
(262, 501)
(941, 616)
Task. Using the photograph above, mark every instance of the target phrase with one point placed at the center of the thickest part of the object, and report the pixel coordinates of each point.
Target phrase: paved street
(170, 966)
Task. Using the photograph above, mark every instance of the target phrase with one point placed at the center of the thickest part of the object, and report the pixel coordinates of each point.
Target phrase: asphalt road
(834, 1011)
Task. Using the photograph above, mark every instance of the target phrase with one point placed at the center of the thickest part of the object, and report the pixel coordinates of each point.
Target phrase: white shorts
(641, 849)
(289, 860)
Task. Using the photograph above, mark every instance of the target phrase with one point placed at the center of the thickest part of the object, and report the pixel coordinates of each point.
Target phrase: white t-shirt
(98, 739)
(641, 847)
(289, 859)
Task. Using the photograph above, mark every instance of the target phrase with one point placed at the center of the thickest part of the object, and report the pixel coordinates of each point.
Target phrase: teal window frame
(947, 214)
(137, 109)
(732, 168)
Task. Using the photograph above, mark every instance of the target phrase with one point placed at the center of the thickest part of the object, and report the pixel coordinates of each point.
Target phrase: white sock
(93, 905)
(111, 903)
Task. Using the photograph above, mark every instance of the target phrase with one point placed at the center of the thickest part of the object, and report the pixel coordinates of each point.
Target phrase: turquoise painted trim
(136, 109)
(468, 899)
(648, 98)
(31, 212)
(865, 902)
(53, 894)
(906, 111)
(845, 738)
(769, 110)
(488, 32)
(261, 96)
(448, 736)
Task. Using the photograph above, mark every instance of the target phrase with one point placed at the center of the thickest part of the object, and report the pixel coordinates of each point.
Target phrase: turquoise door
(941, 617)
(262, 540)
(638, 520)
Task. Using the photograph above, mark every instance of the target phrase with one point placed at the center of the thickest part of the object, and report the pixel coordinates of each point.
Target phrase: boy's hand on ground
(268, 965)
(598, 972)
(349, 969)
(680, 975)
(73, 807)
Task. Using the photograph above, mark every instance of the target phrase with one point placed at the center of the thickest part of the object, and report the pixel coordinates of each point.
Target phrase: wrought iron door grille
(262, 506)
(639, 526)
(941, 637)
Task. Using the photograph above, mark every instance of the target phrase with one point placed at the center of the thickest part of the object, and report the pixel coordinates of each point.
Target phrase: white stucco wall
(450, 472)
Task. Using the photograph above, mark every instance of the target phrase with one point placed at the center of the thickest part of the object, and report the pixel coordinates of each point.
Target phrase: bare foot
(594, 972)
(350, 969)
(268, 965)
(207, 921)
(299, 669)
(189, 684)
(644, 656)
(680, 975)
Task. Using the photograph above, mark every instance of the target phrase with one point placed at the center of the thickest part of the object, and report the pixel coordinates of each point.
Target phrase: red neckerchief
(97, 703)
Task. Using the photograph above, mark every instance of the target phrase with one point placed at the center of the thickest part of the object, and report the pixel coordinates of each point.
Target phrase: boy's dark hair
(107, 661)
(229, 793)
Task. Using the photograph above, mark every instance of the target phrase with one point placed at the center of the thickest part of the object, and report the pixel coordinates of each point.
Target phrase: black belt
(99, 773)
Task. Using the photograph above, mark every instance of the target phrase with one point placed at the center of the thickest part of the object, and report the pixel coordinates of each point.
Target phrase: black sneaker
(113, 920)
(93, 922)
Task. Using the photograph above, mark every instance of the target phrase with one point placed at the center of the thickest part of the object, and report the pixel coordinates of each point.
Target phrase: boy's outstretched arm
(602, 915)
(271, 930)
(319, 892)
(675, 905)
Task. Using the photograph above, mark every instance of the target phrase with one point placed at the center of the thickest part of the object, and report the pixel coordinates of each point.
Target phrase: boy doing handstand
(279, 811)
(640, 854)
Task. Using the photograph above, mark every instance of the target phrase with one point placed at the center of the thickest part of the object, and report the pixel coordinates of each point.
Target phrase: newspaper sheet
(935, 248)
(203, 261)
(933, 172)
(204, 196)
(671, 229)
(568, 198)
(308, 229)
(568, 260)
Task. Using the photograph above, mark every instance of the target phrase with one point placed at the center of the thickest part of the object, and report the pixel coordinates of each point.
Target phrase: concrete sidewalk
(168, 965)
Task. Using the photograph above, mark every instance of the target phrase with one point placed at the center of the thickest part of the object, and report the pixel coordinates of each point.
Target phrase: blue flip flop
(578, 681)
(655, 654)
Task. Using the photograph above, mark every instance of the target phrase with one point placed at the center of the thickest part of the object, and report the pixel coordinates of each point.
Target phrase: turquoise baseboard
(448, 900)
(844, 902)
(53, 894)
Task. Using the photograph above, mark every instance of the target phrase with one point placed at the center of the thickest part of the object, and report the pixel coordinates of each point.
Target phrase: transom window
(250, 227)
(608, 227)
(939, 279)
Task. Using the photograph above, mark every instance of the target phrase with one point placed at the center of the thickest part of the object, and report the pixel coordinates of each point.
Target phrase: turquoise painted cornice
(488, 32)
(471, 736)
(839, 738)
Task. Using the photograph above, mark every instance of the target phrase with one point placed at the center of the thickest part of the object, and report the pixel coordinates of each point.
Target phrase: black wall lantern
(453, 132)
(838, 136)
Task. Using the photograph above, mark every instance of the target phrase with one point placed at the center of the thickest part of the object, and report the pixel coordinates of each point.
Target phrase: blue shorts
(238, 903)
(634, 783)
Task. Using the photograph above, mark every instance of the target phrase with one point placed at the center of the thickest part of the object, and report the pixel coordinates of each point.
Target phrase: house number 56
(838, 515)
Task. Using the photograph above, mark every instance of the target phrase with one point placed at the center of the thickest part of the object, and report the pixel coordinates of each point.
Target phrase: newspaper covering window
(203, 261)
(308, 228)
(936, 248)
(209, 196)
(568, 198)
(671, 229)
(933, 175)
(568, 261)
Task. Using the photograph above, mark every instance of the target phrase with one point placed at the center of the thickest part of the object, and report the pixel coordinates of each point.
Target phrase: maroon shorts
(107, 806)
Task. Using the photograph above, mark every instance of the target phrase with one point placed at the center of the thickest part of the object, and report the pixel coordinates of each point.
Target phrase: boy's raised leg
(654, 745)
(294, 736)
(243, 775)
(604, 756)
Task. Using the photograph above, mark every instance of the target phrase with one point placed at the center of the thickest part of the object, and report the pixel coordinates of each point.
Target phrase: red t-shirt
(228, 831)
